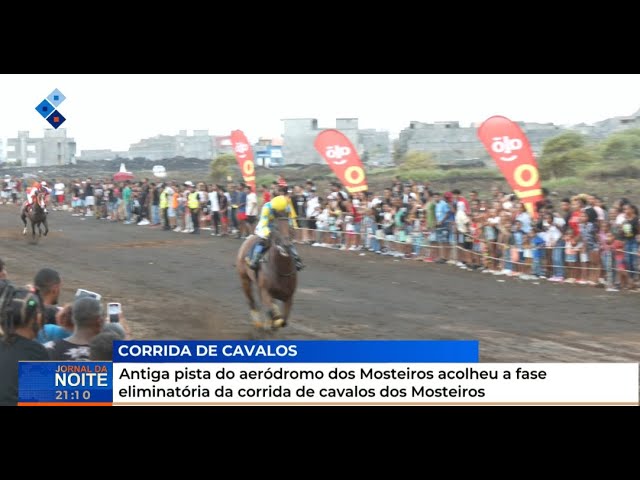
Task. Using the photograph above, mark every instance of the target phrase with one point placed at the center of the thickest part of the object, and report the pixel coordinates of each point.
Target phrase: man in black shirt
(49, 283)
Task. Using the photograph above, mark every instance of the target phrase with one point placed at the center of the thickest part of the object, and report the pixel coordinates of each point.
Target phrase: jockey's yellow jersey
(193, 201)
(267, 217)
(164, 201)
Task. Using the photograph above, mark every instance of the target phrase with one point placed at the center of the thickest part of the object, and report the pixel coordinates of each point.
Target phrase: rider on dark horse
(278, 206)
(32, 194)
(36, 190)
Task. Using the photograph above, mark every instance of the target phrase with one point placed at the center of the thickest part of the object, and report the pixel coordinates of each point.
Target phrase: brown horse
(276, 279)
(37, 217)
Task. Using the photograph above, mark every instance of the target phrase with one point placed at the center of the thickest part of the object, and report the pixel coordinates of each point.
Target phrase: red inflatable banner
(508, 145)
(244, 155)
(343, 159)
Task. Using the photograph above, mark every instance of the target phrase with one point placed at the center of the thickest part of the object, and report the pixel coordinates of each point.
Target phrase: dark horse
(37, 217)
(276, 279)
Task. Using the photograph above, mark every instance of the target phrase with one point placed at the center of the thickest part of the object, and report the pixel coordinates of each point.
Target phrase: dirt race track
(180, 286)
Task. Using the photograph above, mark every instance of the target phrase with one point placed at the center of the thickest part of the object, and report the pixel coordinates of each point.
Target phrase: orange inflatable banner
(244, 155)
(508, 145)
(343, 159)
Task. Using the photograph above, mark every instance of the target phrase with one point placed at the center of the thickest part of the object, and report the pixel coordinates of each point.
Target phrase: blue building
(268, 153)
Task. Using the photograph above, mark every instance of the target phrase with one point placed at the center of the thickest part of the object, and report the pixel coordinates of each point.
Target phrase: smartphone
(86, 293)
(114, 310)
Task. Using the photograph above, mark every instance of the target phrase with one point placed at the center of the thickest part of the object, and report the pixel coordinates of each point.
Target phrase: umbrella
(122, 176)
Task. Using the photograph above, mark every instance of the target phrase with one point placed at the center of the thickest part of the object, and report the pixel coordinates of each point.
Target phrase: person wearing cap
(278, 206)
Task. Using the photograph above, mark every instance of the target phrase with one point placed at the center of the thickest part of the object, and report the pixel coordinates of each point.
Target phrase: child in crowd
(349, 233)
(607, 254)
(590, 256)
(517, 248)
(573, 247)
(322, 224)
(369, 229)
(335, 224)
(418, 230)
(490, 232)
(504, 244)
(621, 267)
(475, 232)
(387, 228)
(555, 243)
(537, 244)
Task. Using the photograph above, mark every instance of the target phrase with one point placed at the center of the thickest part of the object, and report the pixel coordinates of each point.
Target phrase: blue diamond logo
(45, 108)
(56, 119)
(56, 98)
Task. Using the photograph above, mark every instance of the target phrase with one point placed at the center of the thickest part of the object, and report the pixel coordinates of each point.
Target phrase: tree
(621, 146)
(222, 167)
(398, 152)
(563, 155)
(415, 160)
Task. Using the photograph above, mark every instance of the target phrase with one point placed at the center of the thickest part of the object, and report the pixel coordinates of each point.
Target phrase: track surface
(180, 286)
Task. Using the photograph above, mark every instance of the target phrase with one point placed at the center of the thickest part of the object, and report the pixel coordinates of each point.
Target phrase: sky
(113, 111)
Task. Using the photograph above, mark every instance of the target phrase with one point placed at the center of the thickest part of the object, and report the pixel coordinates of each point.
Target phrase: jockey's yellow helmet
(279, 203)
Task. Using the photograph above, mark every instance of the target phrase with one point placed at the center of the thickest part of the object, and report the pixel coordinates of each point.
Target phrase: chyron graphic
(48, 108)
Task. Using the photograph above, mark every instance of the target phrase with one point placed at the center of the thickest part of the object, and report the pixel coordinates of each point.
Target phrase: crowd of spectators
(574, 240)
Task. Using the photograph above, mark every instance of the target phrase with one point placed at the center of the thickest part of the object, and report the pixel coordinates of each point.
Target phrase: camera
(114, 310)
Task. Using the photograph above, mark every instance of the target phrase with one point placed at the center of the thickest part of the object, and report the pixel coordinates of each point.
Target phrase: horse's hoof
(278, 323)
(24, 232)
(258, 324)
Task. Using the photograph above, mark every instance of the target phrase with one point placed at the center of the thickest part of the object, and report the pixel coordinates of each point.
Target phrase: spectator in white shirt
(251, 208)
(311, 212)
(58, 191)
(214, 204)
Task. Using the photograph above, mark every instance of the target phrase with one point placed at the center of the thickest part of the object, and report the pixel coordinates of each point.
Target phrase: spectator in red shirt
(266, 194)
(457, 197)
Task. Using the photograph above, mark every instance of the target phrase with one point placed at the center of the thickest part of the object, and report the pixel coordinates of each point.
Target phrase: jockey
(277, 205)
(33, 192)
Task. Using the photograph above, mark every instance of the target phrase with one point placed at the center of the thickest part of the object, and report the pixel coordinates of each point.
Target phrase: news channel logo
(48, 108)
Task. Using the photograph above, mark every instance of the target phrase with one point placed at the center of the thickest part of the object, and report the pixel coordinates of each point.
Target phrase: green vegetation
(222, 167)
(414, 160)
(565, 154)
(266, 179)
(435, 174)
(569, 159)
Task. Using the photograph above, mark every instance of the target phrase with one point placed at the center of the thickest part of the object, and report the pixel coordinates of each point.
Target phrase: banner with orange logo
(244, 155)
(343, 159)
(508, 145)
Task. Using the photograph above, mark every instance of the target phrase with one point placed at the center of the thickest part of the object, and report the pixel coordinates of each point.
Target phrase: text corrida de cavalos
(213, 350)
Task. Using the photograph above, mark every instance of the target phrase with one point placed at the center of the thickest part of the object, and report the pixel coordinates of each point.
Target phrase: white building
(54, 149)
